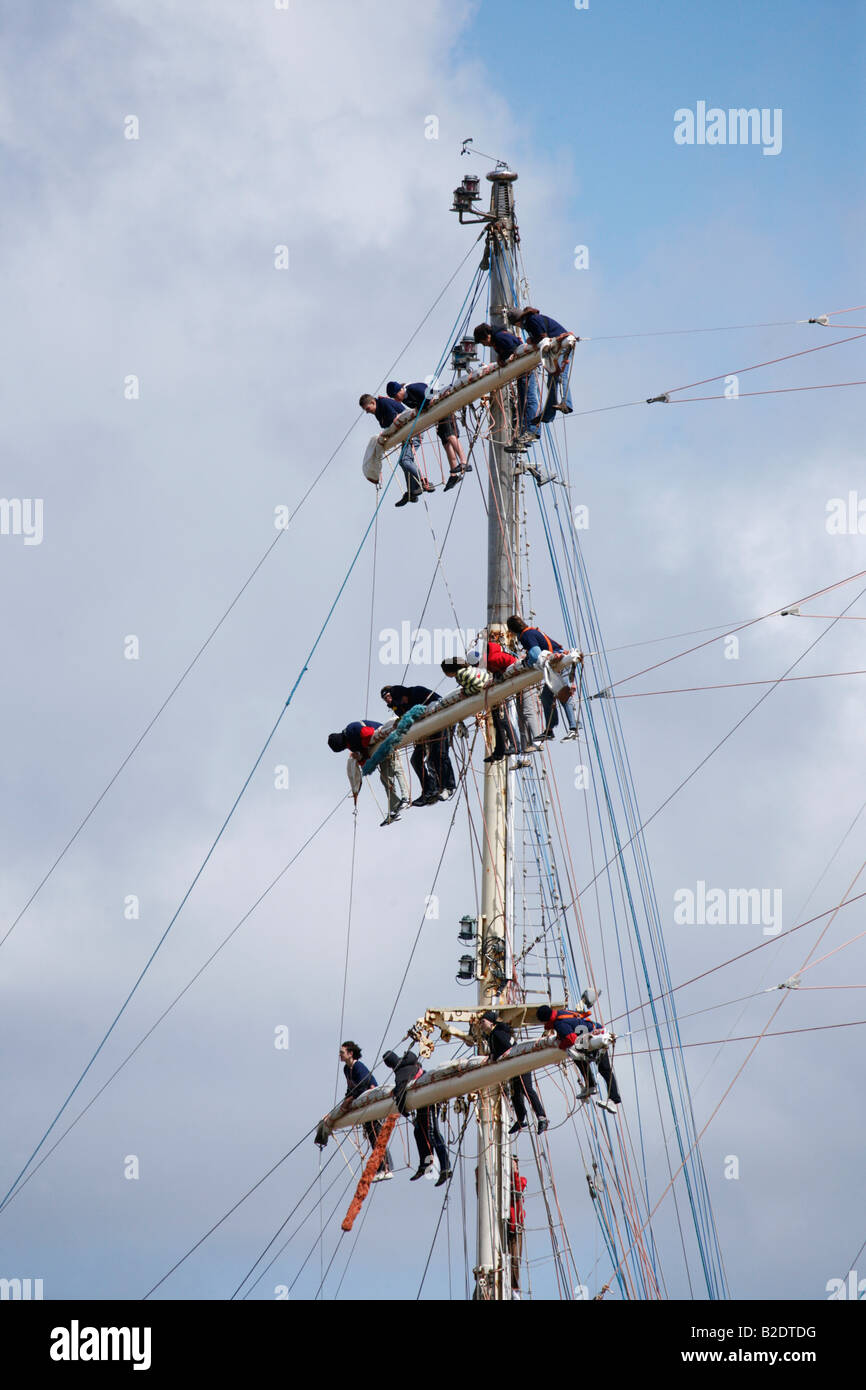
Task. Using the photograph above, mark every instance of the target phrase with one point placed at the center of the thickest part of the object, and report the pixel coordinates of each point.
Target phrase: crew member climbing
(415, 394)
(359, 1079)
(428, 1138)
(568, 1024)
(557, 687)
(500, 1038)
(430, 760)
(386, 412)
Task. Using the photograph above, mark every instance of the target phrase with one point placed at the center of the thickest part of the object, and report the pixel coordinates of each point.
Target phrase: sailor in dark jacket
(500, 1036)
(505, 344)
(386, 412)
(430, 760)
(407, 1069)
(358, 1080)
(416, 394)
(537, 326)
(568, 1024)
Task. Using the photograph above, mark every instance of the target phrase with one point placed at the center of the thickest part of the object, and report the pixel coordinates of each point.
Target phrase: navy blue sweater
(504, 344)
(358, 1079)
(538, 326)
(387, 410)
(534, 637)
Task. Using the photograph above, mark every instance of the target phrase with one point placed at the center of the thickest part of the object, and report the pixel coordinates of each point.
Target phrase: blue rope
(240, 794)
(677, 1082)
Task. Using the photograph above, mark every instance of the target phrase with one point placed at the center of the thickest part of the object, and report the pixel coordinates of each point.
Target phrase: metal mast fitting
(492, 1271)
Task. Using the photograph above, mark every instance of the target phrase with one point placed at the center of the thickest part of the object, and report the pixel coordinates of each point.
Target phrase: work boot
(404, 499)
(443, 1177)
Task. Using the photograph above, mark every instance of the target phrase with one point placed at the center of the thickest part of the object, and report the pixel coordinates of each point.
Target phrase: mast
(492, 1273)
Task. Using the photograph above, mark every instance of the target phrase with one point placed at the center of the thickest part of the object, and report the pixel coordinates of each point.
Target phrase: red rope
(370, 1170)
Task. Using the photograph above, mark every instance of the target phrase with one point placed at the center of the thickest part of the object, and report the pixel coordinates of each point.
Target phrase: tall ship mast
(519, 823)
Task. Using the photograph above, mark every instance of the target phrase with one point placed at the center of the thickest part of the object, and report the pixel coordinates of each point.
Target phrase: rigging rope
(201, 650)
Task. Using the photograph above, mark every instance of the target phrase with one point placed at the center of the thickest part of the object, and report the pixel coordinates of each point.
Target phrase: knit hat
(490, 1016)
(544, 1013)
(390, 1059)
(337, 742)
(393, 387)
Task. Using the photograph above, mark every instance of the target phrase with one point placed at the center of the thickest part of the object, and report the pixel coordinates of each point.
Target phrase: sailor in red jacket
(355, 739)
(568, 1024)
(497, 661)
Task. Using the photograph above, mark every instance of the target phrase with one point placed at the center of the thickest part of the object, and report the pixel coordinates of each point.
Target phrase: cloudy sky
(165, 387)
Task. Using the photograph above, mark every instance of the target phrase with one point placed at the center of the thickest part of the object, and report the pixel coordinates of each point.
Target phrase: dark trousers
(505, 742)
(373, 1129)
(425, 770)
(432, 765)
(441, 759)
(427, 1136)
(522, 1090)
(605, 1070)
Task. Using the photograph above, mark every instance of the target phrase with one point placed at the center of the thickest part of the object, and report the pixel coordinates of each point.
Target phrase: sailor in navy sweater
(416, 394)
(358, 1080)
(537, 326)
(534, 642)
(500, 1037)
(505, 344)
(386, 412)
(407, 1069)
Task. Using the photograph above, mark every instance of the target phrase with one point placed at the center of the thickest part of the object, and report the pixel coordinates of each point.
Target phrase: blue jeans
(549, 705)
(407, 461)
(527, 405)
(549, 701)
